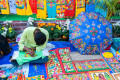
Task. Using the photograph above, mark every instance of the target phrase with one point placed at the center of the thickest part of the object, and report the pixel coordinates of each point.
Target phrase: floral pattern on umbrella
(90, 33)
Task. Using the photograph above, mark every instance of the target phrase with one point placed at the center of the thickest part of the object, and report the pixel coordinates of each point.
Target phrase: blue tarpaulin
(36, 69)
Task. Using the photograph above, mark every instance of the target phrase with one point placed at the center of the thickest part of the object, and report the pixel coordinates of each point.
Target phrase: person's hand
(31, 53)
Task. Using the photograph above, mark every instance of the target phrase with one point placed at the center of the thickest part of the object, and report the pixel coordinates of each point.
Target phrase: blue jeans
(40, 60)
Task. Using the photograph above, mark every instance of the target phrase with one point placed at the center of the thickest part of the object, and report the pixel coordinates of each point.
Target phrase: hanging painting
(80, 6)
(90, 5)
(51, 8)
(69, 9)
(12, 6)
(60, 8)
(100, 75)
(20, 7)
(116, 76)
(4, 6)
(41, 9)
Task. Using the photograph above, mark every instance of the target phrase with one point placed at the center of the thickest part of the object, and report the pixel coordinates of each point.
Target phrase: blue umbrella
(90, 33)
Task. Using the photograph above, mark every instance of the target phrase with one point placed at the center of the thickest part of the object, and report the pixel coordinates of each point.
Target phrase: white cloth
(12, 5)
(15, 54)
(46, 50)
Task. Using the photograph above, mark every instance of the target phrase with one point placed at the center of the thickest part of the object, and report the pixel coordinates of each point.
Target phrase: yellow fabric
(5, 5)
(79, 10)
(108, 55)
(62, 9)
(28, 9)
(41, 13)
(20, 11)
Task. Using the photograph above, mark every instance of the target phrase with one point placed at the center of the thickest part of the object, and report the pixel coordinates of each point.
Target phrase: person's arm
(30, 51)
(22, 46)
(22, 40)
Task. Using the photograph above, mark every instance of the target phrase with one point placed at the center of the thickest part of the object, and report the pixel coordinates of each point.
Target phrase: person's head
(39, 37)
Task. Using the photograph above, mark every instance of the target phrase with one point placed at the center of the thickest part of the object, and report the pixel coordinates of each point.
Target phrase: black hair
(39, 38)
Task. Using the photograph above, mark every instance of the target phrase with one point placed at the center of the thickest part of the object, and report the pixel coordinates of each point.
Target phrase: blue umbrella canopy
(90, 33)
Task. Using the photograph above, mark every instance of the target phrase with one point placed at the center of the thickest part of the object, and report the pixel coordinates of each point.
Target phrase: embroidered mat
(60, 63)
(112, 61)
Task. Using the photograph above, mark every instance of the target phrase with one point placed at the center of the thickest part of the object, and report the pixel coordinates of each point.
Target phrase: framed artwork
(100, 75)
(111, 60)
(116, 76)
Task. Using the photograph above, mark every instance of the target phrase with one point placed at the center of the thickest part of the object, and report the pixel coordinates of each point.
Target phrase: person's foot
(14, 62)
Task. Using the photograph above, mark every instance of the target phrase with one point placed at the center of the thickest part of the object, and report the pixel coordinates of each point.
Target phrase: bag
(4, 46)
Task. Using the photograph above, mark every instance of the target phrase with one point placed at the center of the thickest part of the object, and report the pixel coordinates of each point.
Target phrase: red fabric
(33, 5)
(108, 48)
(71, 8)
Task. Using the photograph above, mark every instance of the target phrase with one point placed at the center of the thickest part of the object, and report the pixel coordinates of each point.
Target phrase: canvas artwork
(70, 8)
(112, 61)
(40, 4)
(91, 65)
(100, 75)
(20, 7)
(53, 65)
(63, 51)
(115, 67)
(81, 76)
(3, 4)
(90, 2)
(80, 7)
(80, 4)
(60, 6)
(5, 71)
(66, 60)
(41, 9)
(90, 7)
(69, 67)
(16, 76)
(10, 71)
(4, 7)
(39, 77)
(117, 55)
(37, 69)
(20, 4)
(53, 78)
(116, 76)
(51, 10)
